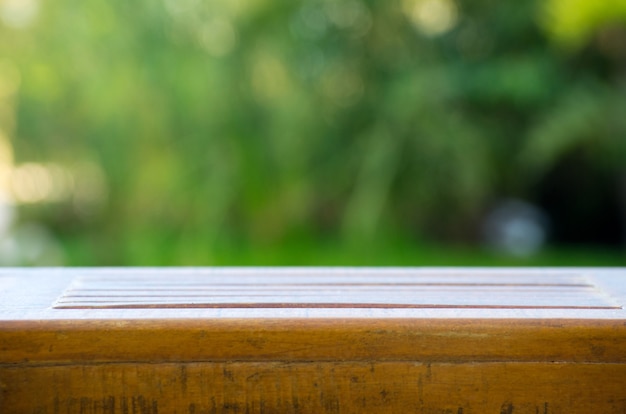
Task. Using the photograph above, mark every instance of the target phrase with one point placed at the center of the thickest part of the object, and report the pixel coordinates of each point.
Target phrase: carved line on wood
(420, 291)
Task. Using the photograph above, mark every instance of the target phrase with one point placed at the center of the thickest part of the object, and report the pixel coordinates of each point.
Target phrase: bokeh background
(312, 132)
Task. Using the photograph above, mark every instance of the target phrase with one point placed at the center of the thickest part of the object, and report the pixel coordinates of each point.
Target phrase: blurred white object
(25, 244)
(516, 227)
(7, 215)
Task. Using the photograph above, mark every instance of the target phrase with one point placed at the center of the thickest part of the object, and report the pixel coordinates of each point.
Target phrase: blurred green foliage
(186, 132)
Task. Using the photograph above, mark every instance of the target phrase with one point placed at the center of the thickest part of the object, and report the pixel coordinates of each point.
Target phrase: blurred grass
(307, 252)
(318, 254)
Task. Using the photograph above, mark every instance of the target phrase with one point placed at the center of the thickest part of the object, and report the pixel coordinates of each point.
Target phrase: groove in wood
(429, 291)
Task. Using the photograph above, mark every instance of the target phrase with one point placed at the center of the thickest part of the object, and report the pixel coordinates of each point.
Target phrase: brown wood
(318, 387)
(320, 341)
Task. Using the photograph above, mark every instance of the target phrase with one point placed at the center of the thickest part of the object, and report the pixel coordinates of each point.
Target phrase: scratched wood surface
(313, 341)
(317, 387)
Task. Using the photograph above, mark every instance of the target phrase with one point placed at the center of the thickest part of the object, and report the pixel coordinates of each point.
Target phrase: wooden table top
(313, 314)
(313, 340)
(305, 293)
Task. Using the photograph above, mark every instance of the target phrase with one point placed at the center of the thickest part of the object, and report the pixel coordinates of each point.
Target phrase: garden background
(312, 132)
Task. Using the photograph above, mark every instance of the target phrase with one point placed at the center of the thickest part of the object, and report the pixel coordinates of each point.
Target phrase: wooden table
(313, 340)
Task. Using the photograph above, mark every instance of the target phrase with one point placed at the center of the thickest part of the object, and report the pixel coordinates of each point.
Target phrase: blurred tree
(168, 130)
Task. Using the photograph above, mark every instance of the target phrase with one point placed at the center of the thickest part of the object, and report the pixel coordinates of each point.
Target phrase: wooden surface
(313, 341)
(318, 387)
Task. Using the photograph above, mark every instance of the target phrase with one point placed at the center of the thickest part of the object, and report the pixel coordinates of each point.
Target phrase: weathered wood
(317, 387)
(320, 341)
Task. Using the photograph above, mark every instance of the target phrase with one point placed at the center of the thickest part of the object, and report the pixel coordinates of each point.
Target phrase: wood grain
(316, 387)
(430, 341)
(310, 339)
